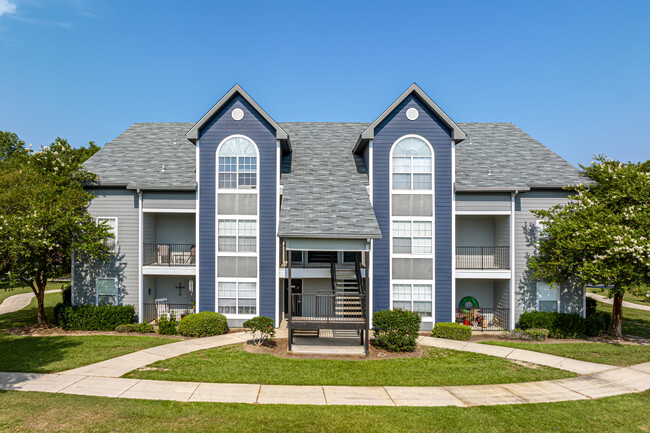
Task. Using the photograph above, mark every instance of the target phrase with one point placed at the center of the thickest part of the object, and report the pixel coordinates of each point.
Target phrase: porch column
(290, 300)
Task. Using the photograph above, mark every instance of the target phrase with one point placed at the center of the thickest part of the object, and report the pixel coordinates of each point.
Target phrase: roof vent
(163, 168)
(174, 142)
(489, 172)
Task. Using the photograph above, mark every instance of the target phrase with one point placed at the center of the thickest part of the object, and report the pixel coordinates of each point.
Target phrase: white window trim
(411, 173)
(220, 190)
(431, 256)
(117, 299)
(239, 280)
(216, 229)
(416, 282)
(238, 218)
(412, 220)
(537, 296)
(117, 222)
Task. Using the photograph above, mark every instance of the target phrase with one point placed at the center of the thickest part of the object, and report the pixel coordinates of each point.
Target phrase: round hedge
(203, 324)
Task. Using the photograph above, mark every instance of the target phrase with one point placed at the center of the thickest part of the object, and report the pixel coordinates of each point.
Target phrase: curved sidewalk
(18, 302)
(102, 379)
(626, 304)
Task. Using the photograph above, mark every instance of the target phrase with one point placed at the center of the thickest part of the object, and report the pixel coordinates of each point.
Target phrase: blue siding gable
(429, 126)
(254, 126)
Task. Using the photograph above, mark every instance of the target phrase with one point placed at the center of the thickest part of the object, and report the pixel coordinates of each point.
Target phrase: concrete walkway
(615, 381)
(606, 300)
(102, 379)
(18, 302)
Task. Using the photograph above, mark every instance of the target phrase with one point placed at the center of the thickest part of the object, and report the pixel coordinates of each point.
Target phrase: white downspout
(140, 245)
(512, 259)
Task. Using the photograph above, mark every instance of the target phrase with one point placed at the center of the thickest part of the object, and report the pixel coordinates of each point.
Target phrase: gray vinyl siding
(427, 125)
(168, 200)
(122, 204)
(257, 129)
(571, 297)
(501, 294)
(483, 202)
(175, 229)
(149, 228)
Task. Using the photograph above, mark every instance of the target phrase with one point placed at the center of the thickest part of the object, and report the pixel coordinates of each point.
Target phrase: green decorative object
(466, 300)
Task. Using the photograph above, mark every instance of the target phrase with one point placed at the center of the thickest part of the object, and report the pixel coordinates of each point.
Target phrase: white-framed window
(412, 164)
(237, 164)
(111, 222)
(237, 297)
(237, 235)
(412, 237)
(106, 291)
(414, 297)
(548, 297)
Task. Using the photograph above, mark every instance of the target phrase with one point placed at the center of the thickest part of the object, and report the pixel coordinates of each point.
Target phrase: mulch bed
(279, 347)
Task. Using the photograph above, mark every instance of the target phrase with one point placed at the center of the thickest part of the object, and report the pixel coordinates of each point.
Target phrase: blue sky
(573, 74)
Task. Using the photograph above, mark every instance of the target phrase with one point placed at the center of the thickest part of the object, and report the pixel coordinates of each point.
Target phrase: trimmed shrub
(142, 328)
(590, 306)
(597, 324)
(532, 334)
(396, 330)
(167, 326)
(66, 293)
(452, 331)
(92, 317)
(559, 325)
(263, 325)
(203, 324)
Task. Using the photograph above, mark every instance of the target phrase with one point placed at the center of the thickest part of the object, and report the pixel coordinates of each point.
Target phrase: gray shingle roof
(136, 157)
(325, 195)
(500, 155)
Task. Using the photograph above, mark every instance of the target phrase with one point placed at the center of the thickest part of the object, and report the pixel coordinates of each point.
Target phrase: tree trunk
(40, 299)
(617, 316)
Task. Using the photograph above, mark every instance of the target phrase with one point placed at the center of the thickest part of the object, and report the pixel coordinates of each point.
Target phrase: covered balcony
(483, 304)
(168, 295)
(483, 243)
(169, 243)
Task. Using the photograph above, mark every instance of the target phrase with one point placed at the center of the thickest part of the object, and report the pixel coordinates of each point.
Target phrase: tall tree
(43, 217)
(10, 146)
(602, 236)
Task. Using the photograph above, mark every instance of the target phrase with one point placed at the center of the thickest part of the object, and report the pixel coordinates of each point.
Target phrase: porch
(168, 295)
(333, 302)
(483, 304)
(169, 239)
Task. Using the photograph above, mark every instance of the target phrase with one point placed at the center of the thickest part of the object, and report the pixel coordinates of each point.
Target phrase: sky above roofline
(85, 70)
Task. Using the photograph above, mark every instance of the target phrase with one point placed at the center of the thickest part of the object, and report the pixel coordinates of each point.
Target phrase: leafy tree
(602, 236)
(10, 146)
(43, 217)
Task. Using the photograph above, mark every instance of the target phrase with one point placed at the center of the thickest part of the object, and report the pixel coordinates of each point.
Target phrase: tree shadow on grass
(34, 354)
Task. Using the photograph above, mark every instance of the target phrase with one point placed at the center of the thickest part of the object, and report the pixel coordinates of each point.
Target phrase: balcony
(483, 257)
(169, 255)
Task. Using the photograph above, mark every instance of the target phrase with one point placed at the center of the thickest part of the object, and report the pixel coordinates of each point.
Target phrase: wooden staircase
(346, 284)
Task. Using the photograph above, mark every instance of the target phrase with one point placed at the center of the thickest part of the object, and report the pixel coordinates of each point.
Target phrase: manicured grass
(232, 364)
(627, 297)
(4, 294)
(635, 322)
(30, 411)
(28, 315)
(59, 353)
(602, 353)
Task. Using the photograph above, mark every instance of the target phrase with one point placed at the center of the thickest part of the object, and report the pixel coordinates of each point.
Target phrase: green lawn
(232, 364)
(627, 297)
(4, 294)
(602, 353)
(58, 353)
(30, 411)
(27, 316)
(635, 322)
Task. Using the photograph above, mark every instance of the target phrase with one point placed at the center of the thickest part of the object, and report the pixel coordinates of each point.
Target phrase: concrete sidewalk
(615, 381)
(18, 302)
(606, 300)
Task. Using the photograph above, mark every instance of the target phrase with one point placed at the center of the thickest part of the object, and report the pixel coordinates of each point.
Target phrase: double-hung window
(412, 237)
(106, 290)
(111, 222)
(237, 235)
(414, 297)
(237, 164)
(237, 297)
(548, 298)
(412, 165)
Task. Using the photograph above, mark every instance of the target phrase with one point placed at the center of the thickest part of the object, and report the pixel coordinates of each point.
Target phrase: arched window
(412, 165)
(237, 164)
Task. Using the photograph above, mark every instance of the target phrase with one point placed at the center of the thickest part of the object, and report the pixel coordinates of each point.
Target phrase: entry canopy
(319, 244)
